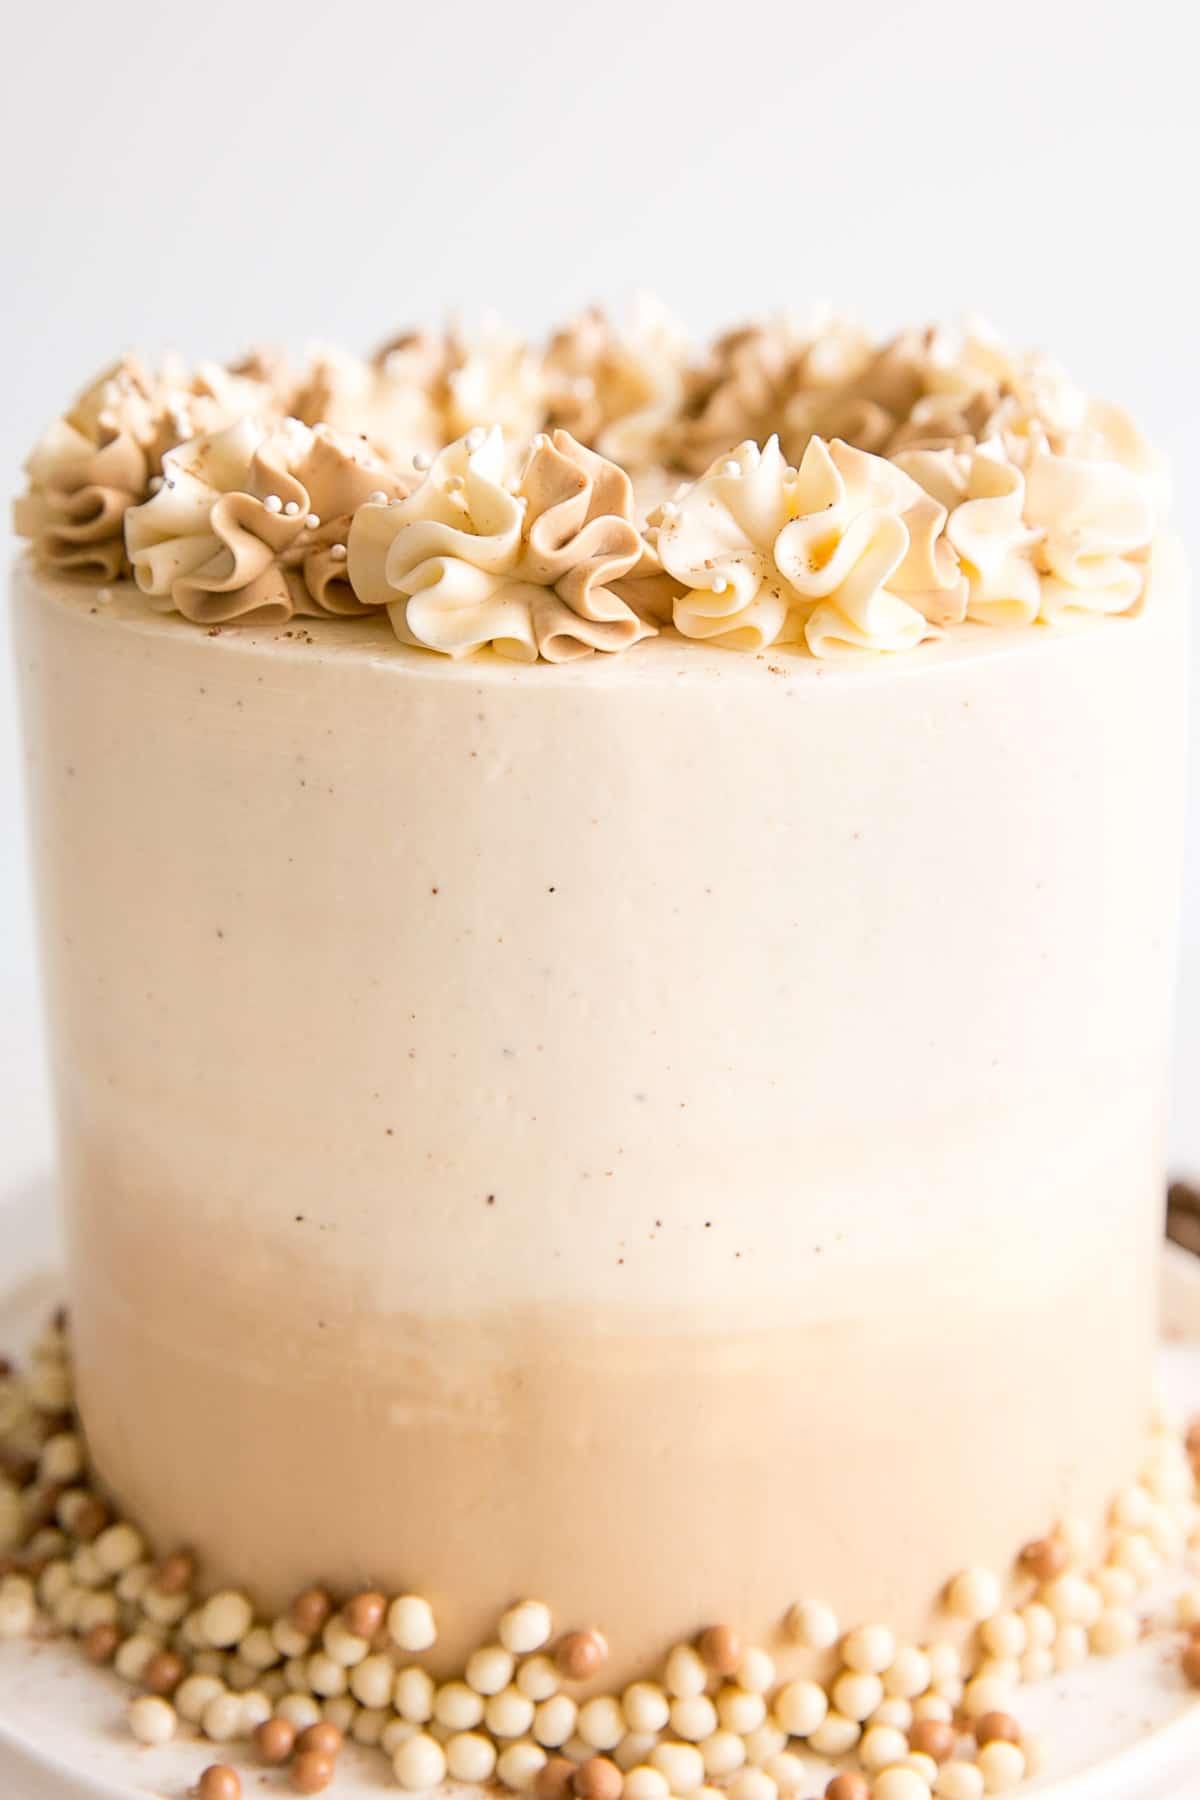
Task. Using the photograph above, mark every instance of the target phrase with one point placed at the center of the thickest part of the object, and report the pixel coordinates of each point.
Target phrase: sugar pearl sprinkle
(529, 1708)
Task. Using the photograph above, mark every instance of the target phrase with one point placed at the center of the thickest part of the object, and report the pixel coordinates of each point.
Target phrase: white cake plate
(1121, 1729)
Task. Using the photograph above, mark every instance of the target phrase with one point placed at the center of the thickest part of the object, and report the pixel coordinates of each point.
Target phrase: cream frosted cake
(608, 920)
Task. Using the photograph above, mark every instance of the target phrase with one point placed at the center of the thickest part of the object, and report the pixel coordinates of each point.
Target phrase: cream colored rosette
(548, 563)
(984, 496)
(619, 388)
(844, 553)
(250, 523)
(393, 400)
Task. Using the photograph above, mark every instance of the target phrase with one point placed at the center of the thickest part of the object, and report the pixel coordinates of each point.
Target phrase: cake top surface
(791, 486)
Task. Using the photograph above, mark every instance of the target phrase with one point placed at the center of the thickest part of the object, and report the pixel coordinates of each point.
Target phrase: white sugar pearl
(97, 1609)
(325, 1677)
(519, 1765)
(1037, 1665)
(377, 498)
(932, 1706)
(633, 1749)
(258, 1648)
(790, 1773)
(835, 1735)
(1187, 1607)
(509, 1714)
(118, 1548)
(221, 1721)
(458, 1706)
(18, 1614)
(800, 1707)
(1072, 1600)
(226, 1619)
(1040, 1625)
(1132, 1551)
(256, 1710)
(422, 461)
(54, 1581)
(894, 1711)
(538, 1678)
(152, 1720)
(490, 1670)
(1132, 1508)
(419, 1763)
(1004, 1634)
(959, 1781)
(1003, 1669)
(415, 1694)
(526, 1627)
(300, 1710)
(899, 1784)
(755, 1671)
(601, 1723)
(645, 1782)
(719, 584)
(86, 1568)
(1070, 1646)
(292, 509)
(945, 1663)
(1115, 1630)
(908, 1674)
(869, 1650)
(984, 1695)
(645, 1706)
(62, 1458)
(287, 1640)
(752, 1784)
(974, 1595)
(273, 504)
(681, 1764)
(723, 1752)
(731, 468)
(338, 552)
(312, 521)
(856, 1696)
(343, 1645)
(693, 1718)
(164, 1609)
(368, 1725)
(1076, 1536)
(739, 1710)
(685, 1673)
(295, 1672)
(881, 1746)
(554, 1721)
(411, 1624)
(133, 1655)
(470, 1757)
(373, 1681)
(477, 437)
(1002, 1766)
(341, 1711)
(766, 1742)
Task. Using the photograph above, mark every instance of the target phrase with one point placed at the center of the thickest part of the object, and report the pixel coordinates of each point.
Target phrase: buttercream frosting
(620, 389)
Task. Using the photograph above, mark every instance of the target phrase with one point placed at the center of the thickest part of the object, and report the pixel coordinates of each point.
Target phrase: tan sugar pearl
(226, 1619)
(721, 1648)
(419, 1763)
(519, 1765)
(164, 1672)
(752, 1784)
(935, 1738)
(755, 1671)
(997, 1726)
(1044, 1558)
(908, 1674)
(152, 1719)
(813, 1624)
(1189, 1662)
(415, 1695)
(598, 1779)
(300, 1710)
(311, 1772)
(645, 1706)
(723, 1752)
(800, 1707)
(458, 1706)
(373, 1680)
(509, 1714)
(1070, 1647)
(959, 1781)
(325, 1676)
(681, 1764)
(310, 1611)
(899, 1784)
(490, 1670)
(1187, 1607)
(538, 1677)
(856, 1696)
(274, 1741)
(525, 1627)
(321, 1736)
(101, 1643)
(363, 1616)
(850, 1785)
(554, 1721)
(470, 1757)
(645, 1782)
(881, 1746)
(174, 1574)
(1002, 1766)
(555, 1779)
(601, 1723)
(410, 1623)
(739, 1710)
(1116, 1629)
(835, 1735)
(685, 1674)
(219, 1782)
(869, 1650)
(580, 1654)
(974, 1595)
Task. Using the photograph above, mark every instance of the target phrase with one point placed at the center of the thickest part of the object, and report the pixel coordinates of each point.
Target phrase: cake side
(607, 1103)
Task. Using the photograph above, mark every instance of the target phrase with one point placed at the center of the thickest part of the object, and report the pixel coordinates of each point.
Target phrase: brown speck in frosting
(491, 1200)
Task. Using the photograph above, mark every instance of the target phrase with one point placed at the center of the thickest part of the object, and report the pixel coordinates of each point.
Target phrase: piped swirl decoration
(846, 497)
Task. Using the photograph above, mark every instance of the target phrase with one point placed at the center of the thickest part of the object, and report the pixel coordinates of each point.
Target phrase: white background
(206, 175)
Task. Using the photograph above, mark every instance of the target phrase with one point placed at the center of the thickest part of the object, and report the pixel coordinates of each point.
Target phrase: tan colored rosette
(548, 565)
(394, 400)
(619, 389)
(88, 468)
(845, 553)
(739, 392)
(251, 524)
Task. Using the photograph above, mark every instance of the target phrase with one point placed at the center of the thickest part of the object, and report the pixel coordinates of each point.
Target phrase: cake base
(1125, 1728)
